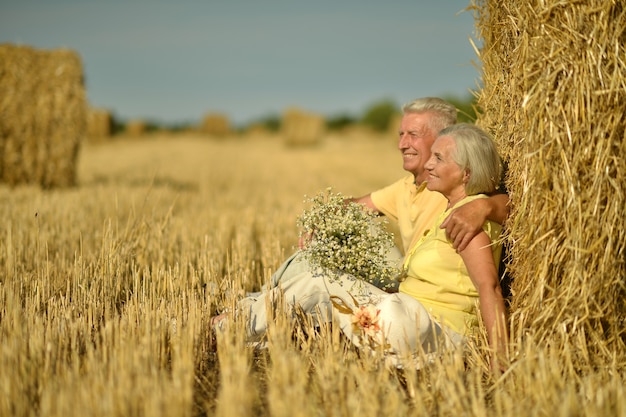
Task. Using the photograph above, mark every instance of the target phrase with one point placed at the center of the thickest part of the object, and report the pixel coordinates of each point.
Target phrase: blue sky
(174, 61)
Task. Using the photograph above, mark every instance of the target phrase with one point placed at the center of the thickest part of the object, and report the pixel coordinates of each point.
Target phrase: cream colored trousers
(401, 324)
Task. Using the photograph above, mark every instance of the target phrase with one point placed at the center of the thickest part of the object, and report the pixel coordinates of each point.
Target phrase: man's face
(415, 140)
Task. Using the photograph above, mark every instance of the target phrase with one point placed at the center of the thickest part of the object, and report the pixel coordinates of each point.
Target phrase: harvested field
(108, 288)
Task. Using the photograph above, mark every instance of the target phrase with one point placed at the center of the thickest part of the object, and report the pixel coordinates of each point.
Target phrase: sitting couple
(449, 225)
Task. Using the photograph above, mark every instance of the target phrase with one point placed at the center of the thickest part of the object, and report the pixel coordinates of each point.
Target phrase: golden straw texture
(43, 115)
(554, 96)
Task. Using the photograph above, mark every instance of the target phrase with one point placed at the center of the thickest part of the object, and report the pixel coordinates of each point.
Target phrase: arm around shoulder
(465, 222)
(498, 208)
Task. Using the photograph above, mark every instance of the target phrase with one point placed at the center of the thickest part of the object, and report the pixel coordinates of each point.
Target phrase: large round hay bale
(136, 128)
(554, 95)
(257, 130)
(216, 125)
(99, 124)
(302, 128)
(43, 115)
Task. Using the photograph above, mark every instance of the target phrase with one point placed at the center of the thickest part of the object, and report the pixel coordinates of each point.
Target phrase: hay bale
(99, 124)
(216, 125)
(136, 128)
(256, 130)
(302, 128)
(554, 96)
(43, 115)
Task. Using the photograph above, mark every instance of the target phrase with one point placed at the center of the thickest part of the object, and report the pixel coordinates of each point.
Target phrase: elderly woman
(439, 298)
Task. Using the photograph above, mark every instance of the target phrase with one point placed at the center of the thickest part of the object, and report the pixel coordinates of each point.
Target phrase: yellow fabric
(414, 208)
(437, 276)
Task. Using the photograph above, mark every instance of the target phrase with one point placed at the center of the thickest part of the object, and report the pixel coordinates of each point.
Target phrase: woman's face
(444, 174)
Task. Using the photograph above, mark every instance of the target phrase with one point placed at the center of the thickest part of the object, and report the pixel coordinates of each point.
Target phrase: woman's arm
(482, 270)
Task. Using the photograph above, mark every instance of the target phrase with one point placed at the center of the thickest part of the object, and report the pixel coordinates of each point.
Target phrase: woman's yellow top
(437, 276)
(413, 207)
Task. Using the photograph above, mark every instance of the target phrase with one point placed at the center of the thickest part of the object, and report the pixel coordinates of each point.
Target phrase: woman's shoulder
(472, 198)
(491, 228)
(466, 200)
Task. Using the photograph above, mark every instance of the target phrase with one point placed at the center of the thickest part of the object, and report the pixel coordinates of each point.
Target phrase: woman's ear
(466, 176)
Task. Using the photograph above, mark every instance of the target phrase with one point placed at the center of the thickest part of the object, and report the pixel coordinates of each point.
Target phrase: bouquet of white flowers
(344, 237)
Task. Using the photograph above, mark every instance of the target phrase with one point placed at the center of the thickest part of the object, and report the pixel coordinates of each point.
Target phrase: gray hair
(476, 152)
(444, 112)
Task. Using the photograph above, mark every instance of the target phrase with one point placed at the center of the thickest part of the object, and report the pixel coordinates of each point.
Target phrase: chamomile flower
(346, 238)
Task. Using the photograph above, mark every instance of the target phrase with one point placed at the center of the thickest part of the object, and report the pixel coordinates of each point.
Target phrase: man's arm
(466, 221)
(366, 200)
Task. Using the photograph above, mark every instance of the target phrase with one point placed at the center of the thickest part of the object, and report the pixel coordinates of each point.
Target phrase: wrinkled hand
(498, 366)
(463, 223)
(305, 239)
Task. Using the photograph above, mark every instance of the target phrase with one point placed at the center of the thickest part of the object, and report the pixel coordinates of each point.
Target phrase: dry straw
(42, 115)
(109, 289)
(554, 95)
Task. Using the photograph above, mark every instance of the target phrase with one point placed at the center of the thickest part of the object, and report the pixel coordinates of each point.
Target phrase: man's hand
(465, 222)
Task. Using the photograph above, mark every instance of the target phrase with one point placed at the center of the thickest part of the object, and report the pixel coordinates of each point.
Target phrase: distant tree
(153, 126)
(379, 115)
(467, 108)
(179, 126)
(117, 125)
(340, 121)
(270, 122)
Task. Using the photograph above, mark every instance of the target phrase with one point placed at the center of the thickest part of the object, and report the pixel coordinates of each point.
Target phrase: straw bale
(257, 129)
(136, 128)
(216, 125)
(99, 124)
(554, 96)
(302, 128)
(42, 115)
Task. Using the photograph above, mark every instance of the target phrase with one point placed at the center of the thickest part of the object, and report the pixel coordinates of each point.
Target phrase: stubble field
(107, 290)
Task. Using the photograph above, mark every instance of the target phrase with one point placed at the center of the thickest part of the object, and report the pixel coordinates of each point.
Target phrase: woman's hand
(482, 270)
